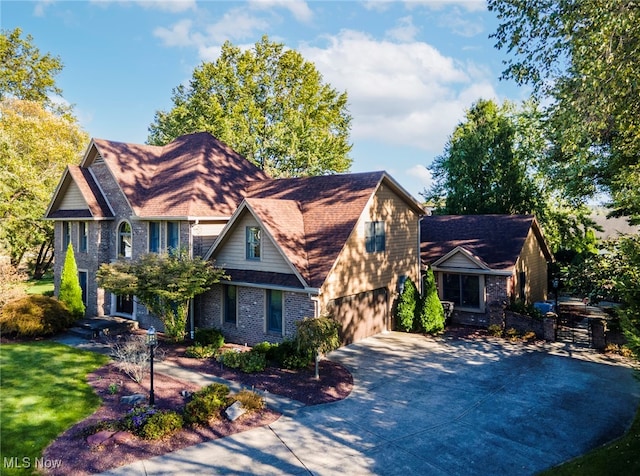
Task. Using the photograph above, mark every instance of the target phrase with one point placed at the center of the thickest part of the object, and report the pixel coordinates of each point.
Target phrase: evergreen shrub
(34, 316)
(70, 290)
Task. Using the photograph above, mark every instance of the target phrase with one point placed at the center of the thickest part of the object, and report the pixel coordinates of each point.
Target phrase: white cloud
(469, 5)
(424, 175)
(399, 93)
(179, 34)
(298, 8)
(405, 31)
(173, 6)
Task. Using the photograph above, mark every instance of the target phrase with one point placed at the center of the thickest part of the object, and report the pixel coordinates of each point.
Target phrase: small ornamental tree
(70, 290)
(431, 310)
(164, 283)
(407, 307)
(319, 334)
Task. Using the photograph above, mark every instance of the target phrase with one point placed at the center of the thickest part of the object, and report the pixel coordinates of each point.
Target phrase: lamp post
(556, 283)
(152, 342)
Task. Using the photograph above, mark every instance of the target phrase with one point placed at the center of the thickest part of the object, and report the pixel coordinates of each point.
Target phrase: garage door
(361, 315)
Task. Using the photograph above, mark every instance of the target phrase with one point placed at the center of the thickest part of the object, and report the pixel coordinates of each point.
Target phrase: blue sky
(410, 68)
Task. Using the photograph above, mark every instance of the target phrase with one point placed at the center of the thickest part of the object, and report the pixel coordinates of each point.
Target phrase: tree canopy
(24, 72)
(268, 104)
(164, 283)
(35, 147)
(581, 58)
(495, 162)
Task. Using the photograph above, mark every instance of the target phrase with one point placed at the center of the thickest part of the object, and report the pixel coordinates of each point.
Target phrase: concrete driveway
(435, 407)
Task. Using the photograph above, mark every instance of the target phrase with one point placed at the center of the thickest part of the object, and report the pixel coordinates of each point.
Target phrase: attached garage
(361, 315)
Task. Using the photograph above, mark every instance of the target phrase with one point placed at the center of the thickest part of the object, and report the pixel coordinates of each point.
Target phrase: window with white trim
(462, 289)
(253, 243)
(125, 248)
(274, 311)
(375, 239)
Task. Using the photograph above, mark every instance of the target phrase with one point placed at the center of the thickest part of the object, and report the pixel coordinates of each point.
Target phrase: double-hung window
(83, 236)
(154, 237)
(173, 235)
(66, 234)
(253, 243)
(375, 239)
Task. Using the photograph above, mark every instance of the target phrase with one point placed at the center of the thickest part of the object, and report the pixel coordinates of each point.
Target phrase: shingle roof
(311, 218)
(196, 175)
(96, 203)
(496, 240)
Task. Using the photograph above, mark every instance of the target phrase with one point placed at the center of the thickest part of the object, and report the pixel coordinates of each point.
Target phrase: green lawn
(43, 392)
(40, 286)
(620, 458)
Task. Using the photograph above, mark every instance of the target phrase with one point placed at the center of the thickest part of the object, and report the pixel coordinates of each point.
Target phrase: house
(293, 248)
(124, 200)
(303, 247)
(479, 260)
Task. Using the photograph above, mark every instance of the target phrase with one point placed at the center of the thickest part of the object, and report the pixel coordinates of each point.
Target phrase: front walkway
(434, 406)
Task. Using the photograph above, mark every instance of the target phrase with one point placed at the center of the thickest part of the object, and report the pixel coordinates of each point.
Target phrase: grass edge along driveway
(44, 392)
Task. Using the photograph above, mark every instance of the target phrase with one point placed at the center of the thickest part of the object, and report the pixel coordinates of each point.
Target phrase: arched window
(124, 240)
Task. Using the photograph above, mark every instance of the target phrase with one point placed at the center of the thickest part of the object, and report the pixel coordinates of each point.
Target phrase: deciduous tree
(164, 283)
(268, 104)
(581, 58)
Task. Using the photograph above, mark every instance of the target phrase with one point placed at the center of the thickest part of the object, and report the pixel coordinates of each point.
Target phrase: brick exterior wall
(250, 328)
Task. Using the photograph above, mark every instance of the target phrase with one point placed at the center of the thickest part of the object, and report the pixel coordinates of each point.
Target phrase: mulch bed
(79, 458)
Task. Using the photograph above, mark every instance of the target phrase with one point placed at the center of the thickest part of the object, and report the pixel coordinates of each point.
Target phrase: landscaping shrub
(206, 404)
(251, 401)
(407, 306)
(161, 424)
(199, 351)
(520, 307)
(136, 418)
(132, 356)
(431, 316)
(288, 356)
(249, 362)
(34, 316)
(209, 337)
(70, 290)
(11, 283)
(264, 347)
(495, 330)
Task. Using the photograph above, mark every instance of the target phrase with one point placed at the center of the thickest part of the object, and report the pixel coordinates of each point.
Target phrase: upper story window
(154, 237)
(66, 234)
(125, 247)
(83, 236)
(462, 289)
(374, 234)
(173, 235)
(253, 242)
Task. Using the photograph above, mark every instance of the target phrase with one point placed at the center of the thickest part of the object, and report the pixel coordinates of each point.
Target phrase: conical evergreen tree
(431, 311)
(407, 305)
(70, 290)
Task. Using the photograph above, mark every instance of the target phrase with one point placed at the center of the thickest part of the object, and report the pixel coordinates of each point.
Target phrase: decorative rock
(235, 411)
(100, 438)
(133, 399)
(122, 437)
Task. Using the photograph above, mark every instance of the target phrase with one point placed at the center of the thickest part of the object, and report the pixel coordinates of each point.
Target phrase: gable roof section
(196, 175)
(96, 205)
(495, 240)
(310, 219)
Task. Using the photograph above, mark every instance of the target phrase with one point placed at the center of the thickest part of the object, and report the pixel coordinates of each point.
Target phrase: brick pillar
(496, 313)
(597, 334)
(549, 328)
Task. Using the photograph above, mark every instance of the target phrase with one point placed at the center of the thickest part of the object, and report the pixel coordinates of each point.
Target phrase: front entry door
(124, 305)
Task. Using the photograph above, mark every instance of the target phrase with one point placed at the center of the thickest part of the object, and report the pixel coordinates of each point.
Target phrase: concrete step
(94, 327)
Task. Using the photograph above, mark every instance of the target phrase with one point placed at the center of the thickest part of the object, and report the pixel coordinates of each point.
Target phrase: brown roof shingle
(196, 175)
(311, 218)
(496, 240)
